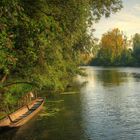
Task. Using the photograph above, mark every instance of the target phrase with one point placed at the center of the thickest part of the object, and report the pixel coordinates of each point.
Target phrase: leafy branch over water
(41, 41)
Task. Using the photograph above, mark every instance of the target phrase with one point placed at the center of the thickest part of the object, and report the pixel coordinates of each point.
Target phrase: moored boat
(22, 115)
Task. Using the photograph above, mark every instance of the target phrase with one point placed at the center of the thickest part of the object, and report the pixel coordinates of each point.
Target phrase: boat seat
(22, 116)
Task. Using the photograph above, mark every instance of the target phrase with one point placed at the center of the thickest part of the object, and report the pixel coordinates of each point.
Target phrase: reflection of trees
(136, 76)
(111, 77)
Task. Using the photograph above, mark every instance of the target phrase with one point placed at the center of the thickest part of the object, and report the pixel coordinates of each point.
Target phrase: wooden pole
(35, 95)
(10, 118)
(27, 107)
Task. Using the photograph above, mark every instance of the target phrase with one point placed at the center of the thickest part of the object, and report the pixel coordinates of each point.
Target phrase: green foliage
(20, 89)
(114, 50)
(41, 41)
(105, 7)
(9, 99)
(136, 47)
(126, 58)
(112, 46)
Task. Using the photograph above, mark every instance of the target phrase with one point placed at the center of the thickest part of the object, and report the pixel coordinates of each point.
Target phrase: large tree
(38, 39)
(112, 46)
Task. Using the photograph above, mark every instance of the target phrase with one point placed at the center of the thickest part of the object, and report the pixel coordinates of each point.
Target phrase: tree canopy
(117, 50)
(40, 40)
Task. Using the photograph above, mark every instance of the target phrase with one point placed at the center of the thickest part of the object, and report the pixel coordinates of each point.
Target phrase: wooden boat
(22, 115)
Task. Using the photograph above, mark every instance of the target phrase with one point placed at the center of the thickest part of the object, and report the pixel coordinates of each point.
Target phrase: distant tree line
(116, 50)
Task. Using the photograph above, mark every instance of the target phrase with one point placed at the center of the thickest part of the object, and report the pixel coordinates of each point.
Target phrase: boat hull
(19, 117)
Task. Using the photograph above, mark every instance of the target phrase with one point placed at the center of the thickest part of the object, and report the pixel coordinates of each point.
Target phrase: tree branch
(3, 78)
(14, 83)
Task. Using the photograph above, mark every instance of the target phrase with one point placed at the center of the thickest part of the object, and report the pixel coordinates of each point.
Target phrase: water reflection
(107, 108)
(111, 104)
(61, 119)
(5, 132)
(111, 77)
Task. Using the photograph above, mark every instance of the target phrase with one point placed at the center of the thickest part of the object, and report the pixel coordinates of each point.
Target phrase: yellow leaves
(114, 41)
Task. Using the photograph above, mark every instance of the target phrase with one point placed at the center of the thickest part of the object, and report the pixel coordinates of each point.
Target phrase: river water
(107, 108)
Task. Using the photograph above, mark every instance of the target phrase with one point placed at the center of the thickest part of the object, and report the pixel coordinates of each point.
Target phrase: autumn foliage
(114, 50)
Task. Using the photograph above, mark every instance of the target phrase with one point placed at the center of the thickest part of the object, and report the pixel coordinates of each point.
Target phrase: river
(107, 108)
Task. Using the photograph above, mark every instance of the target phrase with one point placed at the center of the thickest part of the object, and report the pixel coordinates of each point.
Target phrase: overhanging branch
(14, 83)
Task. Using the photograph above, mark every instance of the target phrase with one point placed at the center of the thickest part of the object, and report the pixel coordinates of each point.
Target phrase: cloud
(127, 21)
(137, 7)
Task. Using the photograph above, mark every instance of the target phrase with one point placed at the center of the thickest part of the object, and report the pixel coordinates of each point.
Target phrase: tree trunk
(4, 78)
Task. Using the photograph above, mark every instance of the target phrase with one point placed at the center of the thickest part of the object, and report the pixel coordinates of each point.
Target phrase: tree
(112, 46)
(38, 38)
(127, 58)
(39, 42)
(136, 48)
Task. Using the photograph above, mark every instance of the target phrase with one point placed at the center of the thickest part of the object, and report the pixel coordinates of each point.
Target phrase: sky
(127, 20)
